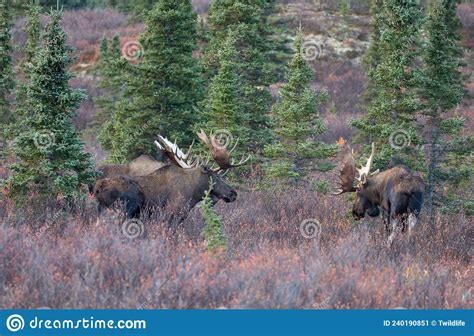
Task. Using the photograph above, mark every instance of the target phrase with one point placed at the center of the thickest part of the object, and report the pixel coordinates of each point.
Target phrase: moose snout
(357, 216)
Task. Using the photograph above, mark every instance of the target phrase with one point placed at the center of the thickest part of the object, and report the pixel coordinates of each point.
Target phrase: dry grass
(64, 260)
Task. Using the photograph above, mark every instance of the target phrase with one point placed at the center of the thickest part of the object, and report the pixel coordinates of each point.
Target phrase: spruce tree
(394, 81)
(296, 123)
(50, 157)
(373, 56)
(33, 29)
(223, 108)
(443, 90)
(163, 90)
(245, 19)
(7, 81)
(110, 83)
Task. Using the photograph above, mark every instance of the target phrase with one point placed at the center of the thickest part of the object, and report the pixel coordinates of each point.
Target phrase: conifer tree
(110, 83)
(296, 123)
(223, 108)
(7, 81)
(394, 81)
(213, 232)
(245, 19)
(33, 29)
(50, 157)
(163, 90)
(373, 56)
(443, 90)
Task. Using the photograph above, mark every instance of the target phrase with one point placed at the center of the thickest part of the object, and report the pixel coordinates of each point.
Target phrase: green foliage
(449, 150)
(322, 186)
(7, 81)
(110, 82)
(50, 158)
(223, 109)
(344, 7)
(213, 231)
(393, 83)
(244, 18)
(162, 91)
(296, 123)
(33, 31)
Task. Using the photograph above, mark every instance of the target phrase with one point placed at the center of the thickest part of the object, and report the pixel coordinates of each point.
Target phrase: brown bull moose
(397, 191)
(184, 181)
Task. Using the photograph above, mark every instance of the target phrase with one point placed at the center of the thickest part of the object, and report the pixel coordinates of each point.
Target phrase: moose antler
(220, 154)
(347, 175)
(175, 154)
(364, 172)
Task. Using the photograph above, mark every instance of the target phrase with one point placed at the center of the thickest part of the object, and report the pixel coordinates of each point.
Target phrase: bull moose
(397, 191)
(183, 180)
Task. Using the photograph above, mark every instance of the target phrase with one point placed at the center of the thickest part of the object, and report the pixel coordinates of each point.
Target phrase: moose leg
(394, 221)
(412, 220)
(386, 221)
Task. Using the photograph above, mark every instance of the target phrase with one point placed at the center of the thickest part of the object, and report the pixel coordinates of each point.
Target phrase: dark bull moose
(183, 181)
(397, 191)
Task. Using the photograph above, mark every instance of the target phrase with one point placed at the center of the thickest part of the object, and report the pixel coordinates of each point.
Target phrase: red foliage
(84, 261)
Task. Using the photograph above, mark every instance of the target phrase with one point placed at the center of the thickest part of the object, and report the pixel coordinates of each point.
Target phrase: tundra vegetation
(278, 93)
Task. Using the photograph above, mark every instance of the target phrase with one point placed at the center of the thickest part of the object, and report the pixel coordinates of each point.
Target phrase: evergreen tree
(110, 83)
(223, 108)
(50, 157)
(393, 83)
(162, 91)
(33, 29)
(443, 90)
(7, 81)
(245, 19)
(214, 230)
(373, 56)
(296, 123)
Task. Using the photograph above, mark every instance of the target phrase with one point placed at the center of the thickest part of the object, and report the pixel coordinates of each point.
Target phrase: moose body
(182, 183)
(396, 191)
(168, 185)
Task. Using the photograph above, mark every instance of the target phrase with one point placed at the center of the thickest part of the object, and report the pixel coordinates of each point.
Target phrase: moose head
(206, 175)
(357, 180)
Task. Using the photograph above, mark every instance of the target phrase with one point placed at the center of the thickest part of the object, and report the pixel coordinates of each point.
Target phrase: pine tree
(7, 81)
(393, 84)
(50, 157)
(443, 90)
(296, 123)
(245, 19)
(162, 91)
